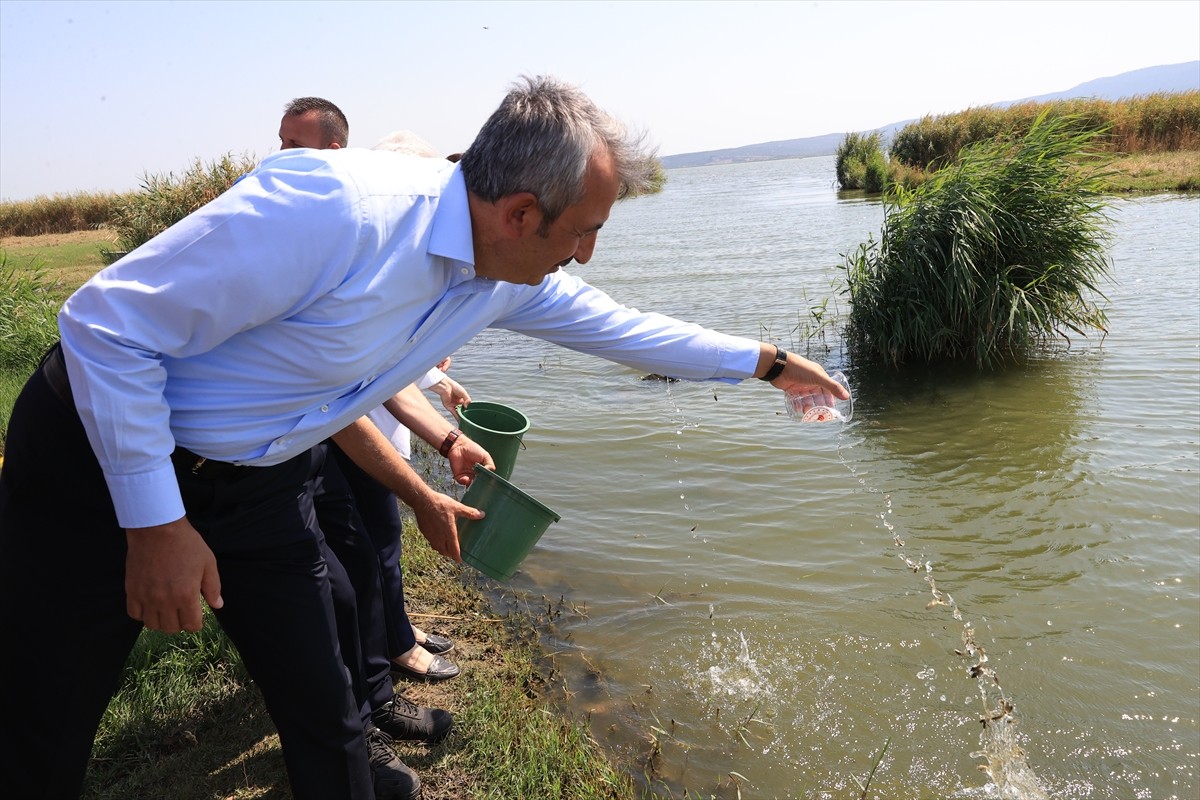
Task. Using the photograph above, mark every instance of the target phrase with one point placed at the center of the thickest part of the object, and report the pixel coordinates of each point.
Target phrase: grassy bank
(189, 725)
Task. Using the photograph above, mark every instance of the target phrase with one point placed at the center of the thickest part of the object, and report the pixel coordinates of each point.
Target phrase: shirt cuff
(146, 499)
(434, 376)
(739, 361)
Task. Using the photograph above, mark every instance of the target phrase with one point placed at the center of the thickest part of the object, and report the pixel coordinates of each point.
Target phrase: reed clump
(166, 198)
(998, 253)
(860, 163)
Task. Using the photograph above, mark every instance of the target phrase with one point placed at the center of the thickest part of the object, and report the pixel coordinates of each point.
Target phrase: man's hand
(435, 519)
(452, 394)
(167, 569)
(465, 453)
(800, 376)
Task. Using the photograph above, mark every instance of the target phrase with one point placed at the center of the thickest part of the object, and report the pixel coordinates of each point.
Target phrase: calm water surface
(749, 595)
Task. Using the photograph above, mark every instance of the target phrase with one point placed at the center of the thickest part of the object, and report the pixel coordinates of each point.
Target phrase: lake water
(746, 603)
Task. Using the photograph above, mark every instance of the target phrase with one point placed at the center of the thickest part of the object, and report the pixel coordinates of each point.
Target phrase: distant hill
(1167, 78)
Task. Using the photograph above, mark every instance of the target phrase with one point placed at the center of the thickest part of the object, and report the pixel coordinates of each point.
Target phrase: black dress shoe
(406, 721)
(392, 777)
(439, 670)
(438, 645)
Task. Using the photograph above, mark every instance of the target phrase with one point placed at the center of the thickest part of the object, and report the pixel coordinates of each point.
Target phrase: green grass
(162, 727)
(527, 750)
(509, 741)
(28, 327)
(68, 260)
(188, 724)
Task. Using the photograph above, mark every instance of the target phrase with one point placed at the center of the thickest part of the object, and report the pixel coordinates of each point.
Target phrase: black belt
(54, 370)
(187, 461)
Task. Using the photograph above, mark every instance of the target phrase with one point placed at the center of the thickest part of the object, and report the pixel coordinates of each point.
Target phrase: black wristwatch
(777, 367)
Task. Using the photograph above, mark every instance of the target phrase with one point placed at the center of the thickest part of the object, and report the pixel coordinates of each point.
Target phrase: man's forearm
(371, 451)
(414, 410)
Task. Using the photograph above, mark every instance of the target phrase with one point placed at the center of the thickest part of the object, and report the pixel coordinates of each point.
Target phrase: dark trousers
(356, 579)
(66, 634)
(378, 509)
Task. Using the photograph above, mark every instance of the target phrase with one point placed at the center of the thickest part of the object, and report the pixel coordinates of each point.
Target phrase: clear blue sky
(95, 94)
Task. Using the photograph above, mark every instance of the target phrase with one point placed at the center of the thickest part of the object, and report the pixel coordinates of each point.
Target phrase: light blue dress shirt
(306, 295)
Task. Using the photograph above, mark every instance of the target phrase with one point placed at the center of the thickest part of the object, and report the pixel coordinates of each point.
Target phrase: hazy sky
(95, 94)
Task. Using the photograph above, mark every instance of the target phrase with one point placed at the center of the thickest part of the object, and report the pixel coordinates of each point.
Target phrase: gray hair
(334, 126)
(540, 140)
(406, 142)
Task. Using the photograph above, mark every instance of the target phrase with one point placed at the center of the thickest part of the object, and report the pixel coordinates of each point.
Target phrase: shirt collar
(451, 234)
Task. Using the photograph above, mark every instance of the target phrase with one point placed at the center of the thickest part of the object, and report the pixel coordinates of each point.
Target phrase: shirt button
(324, 408)
(464, 271)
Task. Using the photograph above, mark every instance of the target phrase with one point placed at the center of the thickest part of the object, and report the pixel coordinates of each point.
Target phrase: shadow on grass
(229, 751)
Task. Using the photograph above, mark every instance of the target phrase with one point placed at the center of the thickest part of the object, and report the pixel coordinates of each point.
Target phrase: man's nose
(583, 253)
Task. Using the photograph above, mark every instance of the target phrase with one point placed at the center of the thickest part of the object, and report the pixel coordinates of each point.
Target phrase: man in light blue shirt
(173, 457)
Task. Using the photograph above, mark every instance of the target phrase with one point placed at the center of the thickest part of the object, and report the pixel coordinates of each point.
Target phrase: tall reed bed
(999, 252)
(80, 211)
(165, 199)
(1155, 123)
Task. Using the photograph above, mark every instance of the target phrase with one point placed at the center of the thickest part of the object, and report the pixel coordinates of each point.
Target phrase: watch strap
(776, 368)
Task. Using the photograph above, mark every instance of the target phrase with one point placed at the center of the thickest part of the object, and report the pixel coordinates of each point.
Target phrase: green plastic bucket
(498, 429)
(497, 544)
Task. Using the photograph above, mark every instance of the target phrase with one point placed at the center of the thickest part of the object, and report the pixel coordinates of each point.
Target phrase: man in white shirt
(173, 442)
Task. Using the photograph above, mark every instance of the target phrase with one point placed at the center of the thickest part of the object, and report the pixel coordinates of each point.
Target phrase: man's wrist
(776, 368)
(448, 442)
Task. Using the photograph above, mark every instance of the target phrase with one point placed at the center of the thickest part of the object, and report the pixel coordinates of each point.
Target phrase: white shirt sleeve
(430, 378)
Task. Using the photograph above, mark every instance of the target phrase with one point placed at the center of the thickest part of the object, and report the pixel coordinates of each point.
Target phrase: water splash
(1011, 776)
(1006, 766)
(735, 676)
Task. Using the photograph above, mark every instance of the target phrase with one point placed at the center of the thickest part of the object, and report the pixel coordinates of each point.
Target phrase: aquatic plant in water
(999, 252)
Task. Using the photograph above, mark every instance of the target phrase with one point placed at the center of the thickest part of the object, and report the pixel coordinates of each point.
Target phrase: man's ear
(334, 146)
(519, 214)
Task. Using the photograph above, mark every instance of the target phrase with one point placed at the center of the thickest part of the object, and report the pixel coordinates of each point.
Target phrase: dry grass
(1156, 172)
